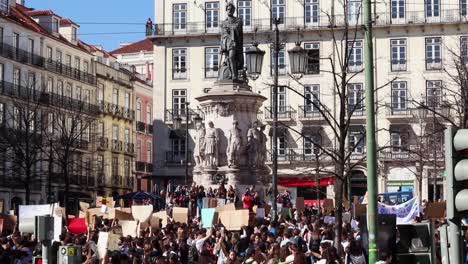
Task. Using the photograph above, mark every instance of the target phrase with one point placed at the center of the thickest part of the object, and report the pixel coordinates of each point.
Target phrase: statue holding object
(231, 46)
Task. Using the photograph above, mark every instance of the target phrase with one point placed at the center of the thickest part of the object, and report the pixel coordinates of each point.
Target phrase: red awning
(303, 182)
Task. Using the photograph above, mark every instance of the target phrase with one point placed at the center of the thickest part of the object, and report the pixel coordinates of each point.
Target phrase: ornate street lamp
(254, 61)
(298, 60)
(197, 119)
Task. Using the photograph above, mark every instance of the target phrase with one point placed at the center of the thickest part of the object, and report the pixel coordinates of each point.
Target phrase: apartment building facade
(138, 54)
(48, 87)
(415, 45)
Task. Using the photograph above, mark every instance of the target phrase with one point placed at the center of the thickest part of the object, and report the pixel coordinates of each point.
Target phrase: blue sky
(87, 12)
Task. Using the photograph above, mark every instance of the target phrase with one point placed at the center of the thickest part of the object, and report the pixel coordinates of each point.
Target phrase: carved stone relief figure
(198, 152)
(234, 145)
(253, 144)
(262, 150)
(211, 146)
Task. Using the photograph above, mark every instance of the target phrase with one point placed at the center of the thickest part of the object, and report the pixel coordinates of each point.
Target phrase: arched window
(149, 115)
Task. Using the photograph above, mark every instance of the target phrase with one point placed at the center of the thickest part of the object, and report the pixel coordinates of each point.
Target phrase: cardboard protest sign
(144, 225)
(300, 204)
(329, 220)
(113, 242)
(2, 206)
(360, 209)
(180, 214)
(227, 207)
(436, 210)
(221, 202)
(77, 225)
(9, 222)
(95, 211)
(328, 206)
(212, 203)
(260, 213)
(155, 223)
(163, 216)
(102, 244)
(209, 217)
(120, 215)
(129, 228)
(142, 213)
(27, 214)
(104, 200)
(234, 220)
(84, 206)
(347, 217)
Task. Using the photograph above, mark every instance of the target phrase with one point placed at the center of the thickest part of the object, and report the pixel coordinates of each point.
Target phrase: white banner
(405, 212)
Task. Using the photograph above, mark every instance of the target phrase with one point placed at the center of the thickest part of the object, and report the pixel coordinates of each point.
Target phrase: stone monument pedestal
(226, 103)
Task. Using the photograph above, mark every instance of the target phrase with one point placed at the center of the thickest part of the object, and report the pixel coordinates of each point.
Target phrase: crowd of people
(302, 238)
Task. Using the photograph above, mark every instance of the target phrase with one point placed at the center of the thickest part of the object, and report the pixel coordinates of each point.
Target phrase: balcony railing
(116, 110)
(179, 74)
(101, 178)
(149, 129)
(177, 158)
(356, 110)
(103, 143)
(21, 55)
(129, 148)
(284, 112)
(381, 19)
(298, 154)
(116, 145)
(140, 166)
(309, 111)
(117, 181)
(399, 154)
(405, 112)
(70, 72)
(149, 167)
(140, 126)
(171, 114)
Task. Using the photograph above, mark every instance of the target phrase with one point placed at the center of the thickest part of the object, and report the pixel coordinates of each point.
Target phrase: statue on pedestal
(262, 150)
(198, 152)
(231, 45)
(211, 146)
(253, 144)
(234, 145)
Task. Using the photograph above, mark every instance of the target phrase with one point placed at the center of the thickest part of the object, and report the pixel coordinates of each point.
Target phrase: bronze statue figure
(231, 46)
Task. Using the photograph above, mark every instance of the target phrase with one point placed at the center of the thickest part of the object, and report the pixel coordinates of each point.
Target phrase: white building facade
(415, 45)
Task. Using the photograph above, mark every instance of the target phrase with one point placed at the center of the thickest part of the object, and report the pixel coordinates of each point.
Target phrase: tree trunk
(67, 187)
(27, 195)
(338, 186)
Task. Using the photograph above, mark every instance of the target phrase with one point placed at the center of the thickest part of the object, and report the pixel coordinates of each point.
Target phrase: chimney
(21, 2)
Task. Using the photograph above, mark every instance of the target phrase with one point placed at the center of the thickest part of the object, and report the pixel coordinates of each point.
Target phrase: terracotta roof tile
(67, 21)
(40, 12)
(142, 45)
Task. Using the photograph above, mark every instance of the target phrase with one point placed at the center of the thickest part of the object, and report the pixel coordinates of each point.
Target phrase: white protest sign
(102, 244)
(27, 214)
(142, 212)
(129, 228)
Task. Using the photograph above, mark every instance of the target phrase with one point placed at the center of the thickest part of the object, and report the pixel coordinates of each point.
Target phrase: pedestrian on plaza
(355, 254)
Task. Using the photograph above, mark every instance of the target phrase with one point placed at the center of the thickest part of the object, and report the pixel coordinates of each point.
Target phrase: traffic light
(456, 163)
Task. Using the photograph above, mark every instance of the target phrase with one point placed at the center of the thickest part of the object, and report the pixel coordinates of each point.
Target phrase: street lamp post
(187, 120)
(254, 59)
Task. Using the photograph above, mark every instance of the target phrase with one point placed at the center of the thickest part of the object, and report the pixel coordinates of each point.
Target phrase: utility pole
(370, 134)
(274, 138)
(187, 120)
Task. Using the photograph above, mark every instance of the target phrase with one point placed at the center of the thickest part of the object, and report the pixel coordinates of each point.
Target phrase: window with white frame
(313, 57)
(398, 10)
(212, 15)
(399, 96)
(59, 88)
(115, 96)
(127, 168)
(77, 63)
(100, 93)
(16, 78)
(179, 17)
(354, 15)
(16, 117)
(464, 48)
(100, 129)
(432, 8)
(355, 53)
(149, 153)
(100, 163)
(49, 54)
(4, 6)
(282, 108)
(68, 60)
(15, 43)
(179, 64)
(55, 25)
(127, 100)
(356, 139)
(85, 96)
(463, 7)
(58, 57)
(282, 67)
(74, 34)
(278, 10)
(282, 147)
(127, 135)
(244, 11)
(311, 12)
(310, 144)
(86, 66)
(138, 150)
(31, 80)
(179, 98)
(68, 90)
(312, 98)
(50, 85)
(178, 149)
(149, 114)
(398, 50)
(355, 98)
(115, 132)
(138, 111)
(433, 94)
(433, 53)
(399, 140)
(30, 49)
(211, 62)
(50, 122)
(115, 166)
(78, 93)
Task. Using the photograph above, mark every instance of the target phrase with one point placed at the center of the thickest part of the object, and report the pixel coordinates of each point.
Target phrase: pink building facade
(144, 135)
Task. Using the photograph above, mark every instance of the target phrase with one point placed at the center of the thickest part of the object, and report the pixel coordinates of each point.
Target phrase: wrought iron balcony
(180, 74)
(149, 129)
(399, 113)
(298, 155)
(177, 158)
(149, 167)
(103, 143)
(116, 145)
(20, 55)
(101, 178)
(321, 21)
(140, 126)
(172, 114)
(69, 72)
(284, 113)
(309, 112)
(140, 166)
(129, 148)
(356, 111)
